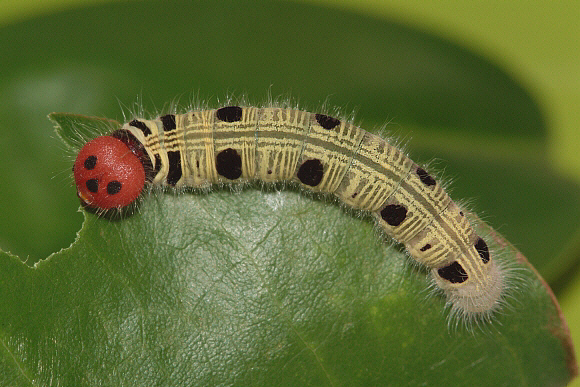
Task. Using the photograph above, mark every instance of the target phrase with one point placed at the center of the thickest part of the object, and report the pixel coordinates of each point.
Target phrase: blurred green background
(489, 89)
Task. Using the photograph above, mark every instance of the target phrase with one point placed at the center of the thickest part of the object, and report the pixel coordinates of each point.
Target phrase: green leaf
(263, 288)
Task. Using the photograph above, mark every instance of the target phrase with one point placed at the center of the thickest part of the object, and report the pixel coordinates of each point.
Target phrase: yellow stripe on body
(375, 172)
(199, 148)
(280, 135)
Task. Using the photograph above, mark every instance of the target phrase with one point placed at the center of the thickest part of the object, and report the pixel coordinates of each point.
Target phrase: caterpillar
(320, 153)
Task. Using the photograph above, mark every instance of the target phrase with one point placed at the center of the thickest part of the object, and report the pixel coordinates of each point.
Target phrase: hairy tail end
(474, 302)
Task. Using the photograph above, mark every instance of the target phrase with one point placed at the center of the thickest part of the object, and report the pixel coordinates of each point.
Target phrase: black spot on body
(157, 164)
(426, 247)
(90, 162)
(141, 126)
(311, 172)
(269, 171)
(175, 172)
(229, 114)
(354, 195)
(229, 164)
(327, 122)
(482, 250)
(425, 178)
(394, 214)
(453, 273)
(92, 185)
(168, 122)
(113, 187)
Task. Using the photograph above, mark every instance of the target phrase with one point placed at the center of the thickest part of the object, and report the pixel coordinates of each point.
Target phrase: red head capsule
(108, 174)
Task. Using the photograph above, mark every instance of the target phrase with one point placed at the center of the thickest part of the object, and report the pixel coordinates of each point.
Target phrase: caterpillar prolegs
(318, 152)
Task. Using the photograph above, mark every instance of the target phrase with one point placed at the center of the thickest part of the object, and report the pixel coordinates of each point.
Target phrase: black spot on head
(168, 122)
(327, 122)
(453, 273)
(113, 187)
(426, 247)
(175, 172)
(394, 214)
(229, 114)
(461, 213)
(482, 250)
(311, 172)
(90, 162)
(269, 171)
(229, 164)
(141, 126)
(92, 185)
(354, 195)
(425, 178)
